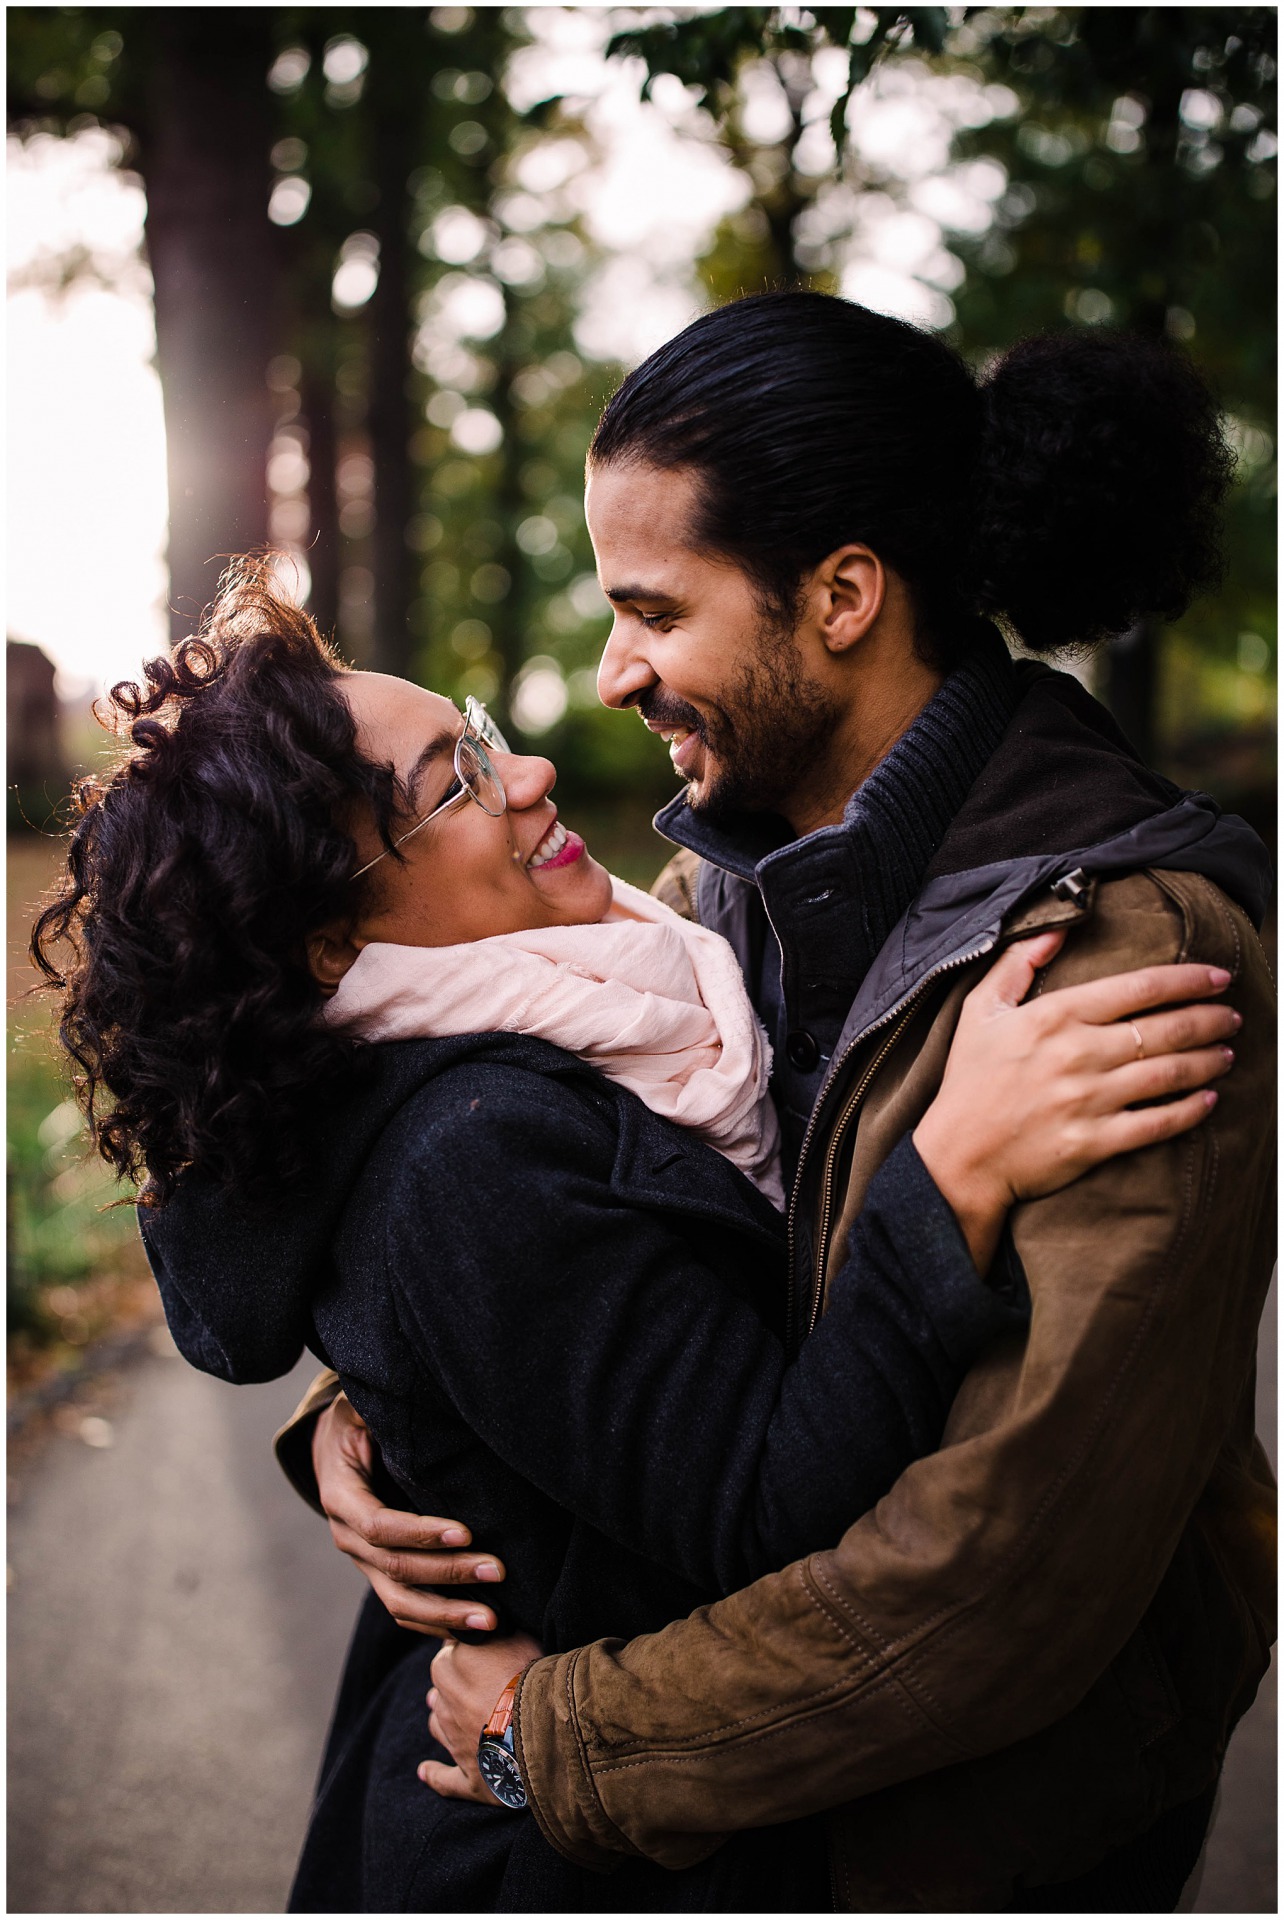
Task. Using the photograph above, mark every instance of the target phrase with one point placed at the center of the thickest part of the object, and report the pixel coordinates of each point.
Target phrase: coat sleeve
(586, 1342)
(997, 1581)
(292, 1443)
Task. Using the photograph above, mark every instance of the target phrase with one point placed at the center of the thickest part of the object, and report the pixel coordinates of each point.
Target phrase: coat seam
(586, 1765)
(678, 1757)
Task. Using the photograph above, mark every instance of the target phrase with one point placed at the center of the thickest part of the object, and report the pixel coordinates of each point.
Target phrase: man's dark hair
(199, 864)
(1071, 491)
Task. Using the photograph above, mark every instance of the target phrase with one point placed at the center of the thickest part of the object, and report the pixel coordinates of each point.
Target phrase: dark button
(802, 1050)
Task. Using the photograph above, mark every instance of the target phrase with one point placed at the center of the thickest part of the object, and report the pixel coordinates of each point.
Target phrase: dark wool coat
(562, 1317)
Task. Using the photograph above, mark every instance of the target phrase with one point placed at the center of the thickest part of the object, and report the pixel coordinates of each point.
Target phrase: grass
(75, 1264)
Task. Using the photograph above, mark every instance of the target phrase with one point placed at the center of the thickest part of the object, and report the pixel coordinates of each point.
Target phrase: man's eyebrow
(432, 751)
(623, 594)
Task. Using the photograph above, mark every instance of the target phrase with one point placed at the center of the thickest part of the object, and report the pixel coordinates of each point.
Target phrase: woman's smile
(559, 848)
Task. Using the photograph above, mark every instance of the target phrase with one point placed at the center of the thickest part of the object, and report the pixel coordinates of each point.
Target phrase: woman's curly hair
(198, 867)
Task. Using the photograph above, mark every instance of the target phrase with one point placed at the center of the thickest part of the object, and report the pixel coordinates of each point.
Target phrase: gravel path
(177, 1621)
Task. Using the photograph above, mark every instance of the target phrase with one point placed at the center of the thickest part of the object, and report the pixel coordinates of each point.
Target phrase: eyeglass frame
(482, 731)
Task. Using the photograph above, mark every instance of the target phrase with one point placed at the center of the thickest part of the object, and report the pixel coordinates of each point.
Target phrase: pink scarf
(646, 997)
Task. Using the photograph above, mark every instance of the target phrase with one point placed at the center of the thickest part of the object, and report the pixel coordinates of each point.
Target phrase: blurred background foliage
(375, 269)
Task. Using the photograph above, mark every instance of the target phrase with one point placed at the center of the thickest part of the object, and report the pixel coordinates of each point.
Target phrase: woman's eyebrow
(438, 745)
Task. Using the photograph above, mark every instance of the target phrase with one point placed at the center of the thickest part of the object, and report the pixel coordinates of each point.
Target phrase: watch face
(499, 1770)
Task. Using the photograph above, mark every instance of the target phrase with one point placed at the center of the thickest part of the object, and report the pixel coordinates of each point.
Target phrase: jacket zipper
(902, 1015)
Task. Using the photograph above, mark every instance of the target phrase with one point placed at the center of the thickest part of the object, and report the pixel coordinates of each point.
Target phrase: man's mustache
(661, 709)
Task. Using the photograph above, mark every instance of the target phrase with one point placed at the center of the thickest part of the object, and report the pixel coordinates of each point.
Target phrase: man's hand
(466, 1683)
(400, 1554)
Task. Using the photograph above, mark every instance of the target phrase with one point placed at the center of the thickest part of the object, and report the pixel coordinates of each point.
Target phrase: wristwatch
(496, 1760)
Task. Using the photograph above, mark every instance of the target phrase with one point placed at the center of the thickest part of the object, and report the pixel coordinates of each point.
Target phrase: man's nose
(624, 670)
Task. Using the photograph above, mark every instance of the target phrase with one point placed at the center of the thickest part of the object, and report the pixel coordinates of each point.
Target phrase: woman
(558, 1313)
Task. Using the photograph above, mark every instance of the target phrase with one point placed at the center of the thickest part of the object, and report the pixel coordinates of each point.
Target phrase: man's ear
(331, 951)
(847, 595)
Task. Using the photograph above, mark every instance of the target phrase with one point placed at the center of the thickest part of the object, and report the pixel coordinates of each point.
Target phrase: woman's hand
(1036, 1094)
(400, 1554)
(466, 1684)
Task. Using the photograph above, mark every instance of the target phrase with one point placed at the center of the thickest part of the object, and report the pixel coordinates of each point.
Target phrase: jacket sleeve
(638, 1391)
(997, 1581)
(292, 1443)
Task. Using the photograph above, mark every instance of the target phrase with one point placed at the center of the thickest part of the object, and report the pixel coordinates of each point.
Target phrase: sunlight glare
(87, 490)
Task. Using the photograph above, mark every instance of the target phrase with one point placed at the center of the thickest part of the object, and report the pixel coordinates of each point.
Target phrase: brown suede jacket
(1041, 1638)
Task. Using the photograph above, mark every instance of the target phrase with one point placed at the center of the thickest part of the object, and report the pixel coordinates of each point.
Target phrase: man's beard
(772, 726)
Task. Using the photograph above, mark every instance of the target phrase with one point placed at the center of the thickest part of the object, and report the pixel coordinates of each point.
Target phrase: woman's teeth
(552, 843)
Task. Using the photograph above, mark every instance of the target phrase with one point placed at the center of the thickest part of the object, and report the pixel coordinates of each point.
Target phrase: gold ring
(1141, 1045)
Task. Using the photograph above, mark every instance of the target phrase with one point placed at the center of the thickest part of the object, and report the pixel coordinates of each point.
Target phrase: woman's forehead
(395, 718)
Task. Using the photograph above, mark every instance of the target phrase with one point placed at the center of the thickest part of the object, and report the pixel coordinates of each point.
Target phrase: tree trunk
(390, 421)
(510, 619)
(317, 406)
(1133, 659)
(214, 265)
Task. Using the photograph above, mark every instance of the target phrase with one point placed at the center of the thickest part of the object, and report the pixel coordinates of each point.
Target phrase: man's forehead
(639, 519)
(632, 500)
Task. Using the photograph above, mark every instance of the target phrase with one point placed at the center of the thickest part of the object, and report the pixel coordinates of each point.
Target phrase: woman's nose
(528, 778)
(624, 671)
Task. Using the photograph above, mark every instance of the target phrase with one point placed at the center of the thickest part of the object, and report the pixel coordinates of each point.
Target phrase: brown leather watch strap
(502, 1717)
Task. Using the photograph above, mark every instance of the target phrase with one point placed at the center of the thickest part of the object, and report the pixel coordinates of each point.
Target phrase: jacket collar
(959, 916)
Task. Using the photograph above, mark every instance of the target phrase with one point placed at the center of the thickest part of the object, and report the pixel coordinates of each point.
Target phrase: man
(1014, 1680)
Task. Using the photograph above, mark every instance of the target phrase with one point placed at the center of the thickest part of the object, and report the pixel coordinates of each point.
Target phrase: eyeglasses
(475, 776)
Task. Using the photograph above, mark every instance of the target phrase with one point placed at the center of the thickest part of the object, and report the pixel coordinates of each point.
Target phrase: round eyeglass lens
(480, 778)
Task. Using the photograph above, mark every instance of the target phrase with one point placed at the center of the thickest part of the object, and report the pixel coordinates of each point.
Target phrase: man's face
(696, 653)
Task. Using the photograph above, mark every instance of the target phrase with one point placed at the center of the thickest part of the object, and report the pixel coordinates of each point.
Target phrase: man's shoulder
(676, 884)
(1155, 916)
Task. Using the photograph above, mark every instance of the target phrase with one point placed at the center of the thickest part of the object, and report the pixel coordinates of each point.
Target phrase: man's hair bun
(1101, 470)
(1073, 490)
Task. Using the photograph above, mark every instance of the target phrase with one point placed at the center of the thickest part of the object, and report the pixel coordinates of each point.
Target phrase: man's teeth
(674, 736)
(552, 843)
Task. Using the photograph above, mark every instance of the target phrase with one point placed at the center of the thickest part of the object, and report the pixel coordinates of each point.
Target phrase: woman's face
(466, 875)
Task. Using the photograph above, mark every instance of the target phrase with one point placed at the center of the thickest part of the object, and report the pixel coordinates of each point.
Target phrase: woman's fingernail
(1210, 1098)
(1228, 1054)
(480, 1622)
(1238, 1018)
(454, 1537)
(487, 1570)
(430, 1698)
(422, 1771)
(1219, 976)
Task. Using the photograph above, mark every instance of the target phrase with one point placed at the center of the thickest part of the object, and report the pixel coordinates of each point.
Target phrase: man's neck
(884, 701)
